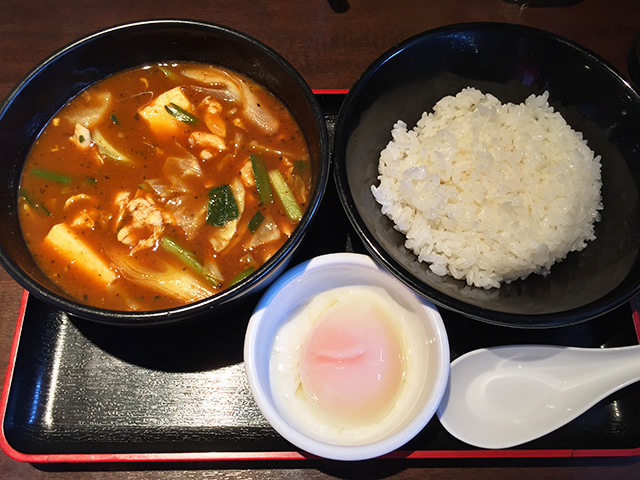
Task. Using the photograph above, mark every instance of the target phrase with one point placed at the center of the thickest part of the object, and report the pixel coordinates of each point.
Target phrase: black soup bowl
(47, 88)
(511, 62)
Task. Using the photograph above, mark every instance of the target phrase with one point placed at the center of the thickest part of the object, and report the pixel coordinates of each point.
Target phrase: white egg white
(286, 384)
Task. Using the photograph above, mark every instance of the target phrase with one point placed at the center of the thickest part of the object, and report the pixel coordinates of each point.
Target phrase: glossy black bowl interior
(511, 62)
(60, 77)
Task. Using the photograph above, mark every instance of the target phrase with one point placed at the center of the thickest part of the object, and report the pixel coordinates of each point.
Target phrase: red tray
(76, 391)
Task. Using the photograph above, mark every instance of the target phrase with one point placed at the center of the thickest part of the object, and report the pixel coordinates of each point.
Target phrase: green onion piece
(167, 73)
(186, 256)
(261, 179)
(242, 275)
(256, 221)
(300, 167)
(105, 148)
(291, 207)
(114, 119)
(222, 206)
(33, 203)
(51, 175)
(181, 114)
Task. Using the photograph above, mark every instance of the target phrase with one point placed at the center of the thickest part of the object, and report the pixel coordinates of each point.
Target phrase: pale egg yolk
(351, 365)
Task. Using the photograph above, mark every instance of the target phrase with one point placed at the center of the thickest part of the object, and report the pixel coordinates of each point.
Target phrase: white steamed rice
(490, 192)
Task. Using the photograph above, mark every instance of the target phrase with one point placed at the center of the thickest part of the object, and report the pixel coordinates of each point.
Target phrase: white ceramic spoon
(501, 397)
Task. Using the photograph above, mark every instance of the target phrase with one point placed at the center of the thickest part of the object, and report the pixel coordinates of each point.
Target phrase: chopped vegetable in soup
(163, 185)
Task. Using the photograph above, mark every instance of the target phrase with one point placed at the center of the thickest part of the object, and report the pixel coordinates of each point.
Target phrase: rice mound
(490, 192)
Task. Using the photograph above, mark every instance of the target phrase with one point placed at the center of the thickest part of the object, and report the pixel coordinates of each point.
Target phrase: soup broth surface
(163, 185)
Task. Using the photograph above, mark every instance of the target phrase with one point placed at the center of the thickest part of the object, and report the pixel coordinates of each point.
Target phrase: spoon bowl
(501, 397)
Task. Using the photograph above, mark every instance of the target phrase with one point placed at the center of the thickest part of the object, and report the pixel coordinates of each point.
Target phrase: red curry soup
(163, 185)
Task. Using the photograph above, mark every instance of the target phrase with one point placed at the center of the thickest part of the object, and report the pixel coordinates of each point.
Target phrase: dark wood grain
(330, 42)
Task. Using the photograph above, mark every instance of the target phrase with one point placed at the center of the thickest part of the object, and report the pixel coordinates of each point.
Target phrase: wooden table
(330, 42)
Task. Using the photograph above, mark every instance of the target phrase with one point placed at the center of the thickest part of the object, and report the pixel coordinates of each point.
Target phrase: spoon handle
(588, 373)
(615, 366)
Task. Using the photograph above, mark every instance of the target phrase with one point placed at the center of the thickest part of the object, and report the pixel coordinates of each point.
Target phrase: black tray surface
(83, 388)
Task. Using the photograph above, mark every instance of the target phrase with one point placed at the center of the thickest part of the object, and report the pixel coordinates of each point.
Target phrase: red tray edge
(334, 91)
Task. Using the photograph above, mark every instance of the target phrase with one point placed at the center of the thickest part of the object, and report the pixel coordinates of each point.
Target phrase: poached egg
(342, 365)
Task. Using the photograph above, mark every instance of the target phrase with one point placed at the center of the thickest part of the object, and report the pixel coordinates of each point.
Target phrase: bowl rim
(275, 263)
(496, 317)
(316, 447)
